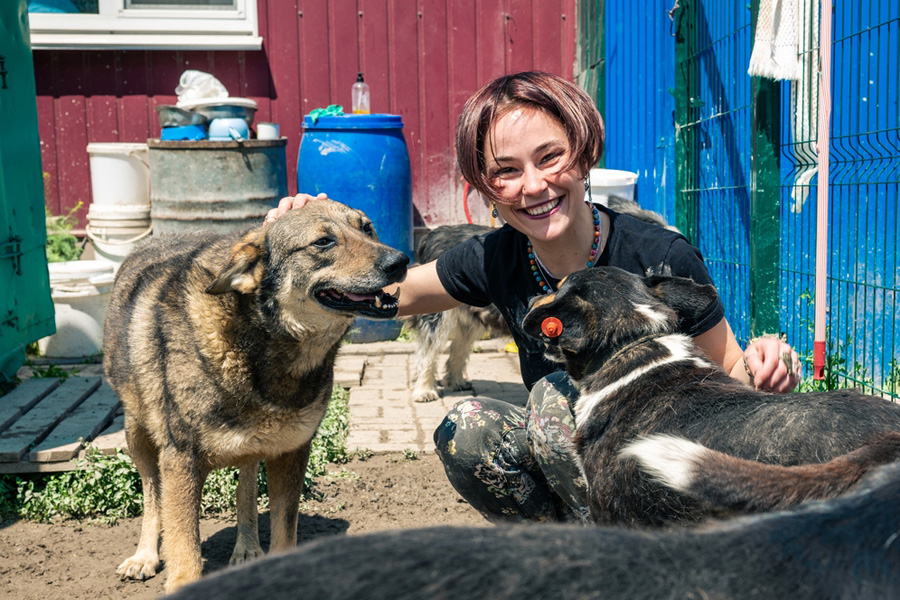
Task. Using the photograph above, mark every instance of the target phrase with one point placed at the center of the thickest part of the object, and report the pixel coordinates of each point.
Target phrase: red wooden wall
(421, 58)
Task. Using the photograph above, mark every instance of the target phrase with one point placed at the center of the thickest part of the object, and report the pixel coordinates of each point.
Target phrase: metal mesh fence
(745, 162)
(863, 275)
(716, 136)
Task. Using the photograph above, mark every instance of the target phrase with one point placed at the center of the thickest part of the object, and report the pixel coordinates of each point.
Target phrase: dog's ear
(243, 271)
(688, 299)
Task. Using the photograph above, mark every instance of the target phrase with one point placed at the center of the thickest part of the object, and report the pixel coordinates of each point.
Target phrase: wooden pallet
(45, 423)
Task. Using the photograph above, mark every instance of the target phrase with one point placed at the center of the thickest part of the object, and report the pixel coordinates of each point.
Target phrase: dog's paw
(425, 395)
(140, 566)
(245, 552)
(457, 384)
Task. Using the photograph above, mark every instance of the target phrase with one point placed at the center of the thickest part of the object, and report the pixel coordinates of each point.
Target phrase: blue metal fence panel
(863, 244)
(863, 271)
(640, 71)
(723, 135)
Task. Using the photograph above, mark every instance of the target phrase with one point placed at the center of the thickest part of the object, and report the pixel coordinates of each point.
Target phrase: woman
(527, 142)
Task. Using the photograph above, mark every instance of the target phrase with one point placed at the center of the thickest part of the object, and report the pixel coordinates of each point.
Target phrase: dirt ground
(77, 561)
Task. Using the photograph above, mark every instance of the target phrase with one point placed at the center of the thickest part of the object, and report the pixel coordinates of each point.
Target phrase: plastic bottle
(360, 96)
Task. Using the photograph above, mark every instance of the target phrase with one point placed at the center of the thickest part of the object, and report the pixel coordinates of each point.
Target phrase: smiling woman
(527, 141)
(148, 24)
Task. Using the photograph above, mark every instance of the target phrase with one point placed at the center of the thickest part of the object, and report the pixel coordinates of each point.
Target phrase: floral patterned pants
(515, 463)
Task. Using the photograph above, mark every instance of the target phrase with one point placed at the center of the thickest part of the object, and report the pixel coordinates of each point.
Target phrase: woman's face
(526, 153)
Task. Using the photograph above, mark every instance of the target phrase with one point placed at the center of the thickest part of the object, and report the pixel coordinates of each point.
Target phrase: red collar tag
(552, 327)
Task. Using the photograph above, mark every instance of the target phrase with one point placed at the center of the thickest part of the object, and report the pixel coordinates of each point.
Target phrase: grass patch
(108, 488)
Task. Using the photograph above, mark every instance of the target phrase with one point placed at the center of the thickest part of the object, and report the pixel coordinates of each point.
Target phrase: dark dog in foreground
(841, 549)
(616, 335)
(462, 326)
(222, 349)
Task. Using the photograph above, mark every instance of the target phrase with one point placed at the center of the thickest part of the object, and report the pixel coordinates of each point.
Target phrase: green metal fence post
(687, 158)
(591, 54)
(765, 248)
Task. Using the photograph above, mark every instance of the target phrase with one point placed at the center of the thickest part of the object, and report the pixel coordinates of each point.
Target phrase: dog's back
(842, 549)
(151, 320)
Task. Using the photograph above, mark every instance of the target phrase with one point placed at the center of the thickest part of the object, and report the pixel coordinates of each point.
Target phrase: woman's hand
(772, 365)
(290, 203)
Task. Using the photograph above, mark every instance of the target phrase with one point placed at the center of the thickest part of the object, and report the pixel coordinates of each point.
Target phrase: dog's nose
(394, 264)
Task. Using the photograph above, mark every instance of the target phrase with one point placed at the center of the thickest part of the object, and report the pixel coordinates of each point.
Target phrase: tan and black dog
(222, 349)
(617, 337)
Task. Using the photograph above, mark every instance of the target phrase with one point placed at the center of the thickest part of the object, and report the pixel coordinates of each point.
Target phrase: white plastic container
(120, 173)
(612, 182)
(114, 230)
(80, 290)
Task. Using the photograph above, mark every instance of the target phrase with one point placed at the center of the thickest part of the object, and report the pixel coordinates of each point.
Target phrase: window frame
(117, 27)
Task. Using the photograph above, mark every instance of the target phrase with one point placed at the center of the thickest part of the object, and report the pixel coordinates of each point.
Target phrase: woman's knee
(477, 427)
(483, 446)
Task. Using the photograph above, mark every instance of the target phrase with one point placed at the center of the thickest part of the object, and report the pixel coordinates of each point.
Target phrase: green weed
(61, 244)
(50, 371)
(108, 488)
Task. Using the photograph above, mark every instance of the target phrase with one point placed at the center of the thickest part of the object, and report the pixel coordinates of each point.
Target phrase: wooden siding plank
(437, 155)
(32, 427)
(71, 134)
(281, 52)
(80, 426)
(314, 64)
(547, 47)
(343, 50)
(375, 52)
(568, 40)
(102, 105)
(164, 74)
(520, 35)
(462, 83)
(490, 40)
(21, 399)
(45, 81)
(403, 30)
(134, 75)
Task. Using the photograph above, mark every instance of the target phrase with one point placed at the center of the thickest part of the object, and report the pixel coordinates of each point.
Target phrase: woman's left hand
(772, 365)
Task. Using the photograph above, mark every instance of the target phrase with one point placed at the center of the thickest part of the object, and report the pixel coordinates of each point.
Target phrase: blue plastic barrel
(362, 161)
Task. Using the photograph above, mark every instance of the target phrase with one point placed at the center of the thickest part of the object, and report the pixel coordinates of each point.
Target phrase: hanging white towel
(775, 43)
(805, 106)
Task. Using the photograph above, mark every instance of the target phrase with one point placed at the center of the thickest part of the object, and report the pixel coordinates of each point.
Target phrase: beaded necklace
(538, 269)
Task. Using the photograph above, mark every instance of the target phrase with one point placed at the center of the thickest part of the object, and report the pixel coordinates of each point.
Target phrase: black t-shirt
(494, 268)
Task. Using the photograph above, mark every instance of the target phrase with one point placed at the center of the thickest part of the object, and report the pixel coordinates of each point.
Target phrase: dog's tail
(749, 486)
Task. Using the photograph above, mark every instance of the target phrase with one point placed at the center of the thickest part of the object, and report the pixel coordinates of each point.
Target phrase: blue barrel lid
(376, 121)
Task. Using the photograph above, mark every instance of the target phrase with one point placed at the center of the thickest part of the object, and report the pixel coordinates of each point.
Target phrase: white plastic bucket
(80, 290)
(114, 230)
(612, 182)
(120, 173)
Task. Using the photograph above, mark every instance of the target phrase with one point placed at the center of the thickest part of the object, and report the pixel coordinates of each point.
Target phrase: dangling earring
(494, 212)
(587, 189)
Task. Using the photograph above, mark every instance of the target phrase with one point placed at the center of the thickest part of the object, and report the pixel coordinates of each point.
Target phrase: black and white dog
(617, 338)
(464, 325)
(841, 549)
